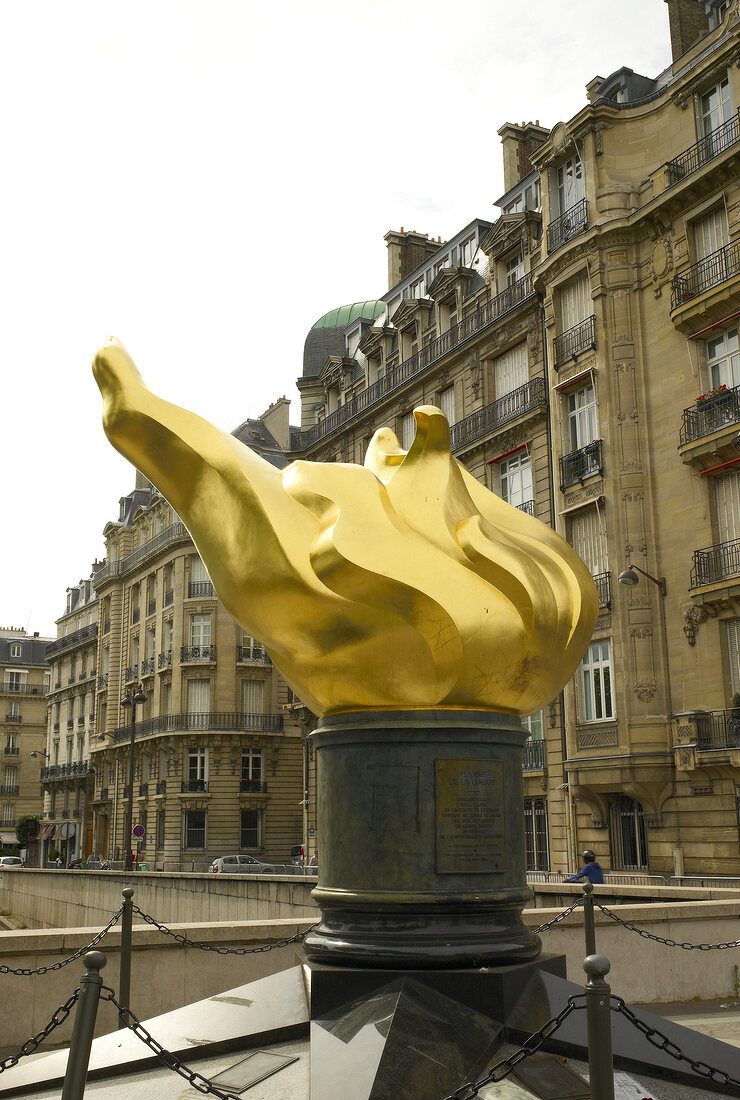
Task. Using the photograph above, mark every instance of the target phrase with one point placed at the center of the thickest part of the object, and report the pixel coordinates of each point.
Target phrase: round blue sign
(138, 830)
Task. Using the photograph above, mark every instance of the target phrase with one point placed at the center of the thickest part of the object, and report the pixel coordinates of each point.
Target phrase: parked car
(8, 862)
(245, 865)
(297, 855)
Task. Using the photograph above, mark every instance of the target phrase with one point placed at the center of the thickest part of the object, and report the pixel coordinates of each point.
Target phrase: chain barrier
(26, 972)
(530, 1046)
(662, 1042)
(218, 950)
(30, 1045)
(561, 916)
(170, 1060)
(663, 939)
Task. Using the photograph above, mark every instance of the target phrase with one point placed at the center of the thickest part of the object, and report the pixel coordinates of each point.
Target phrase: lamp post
(629, 577)
(131, 698)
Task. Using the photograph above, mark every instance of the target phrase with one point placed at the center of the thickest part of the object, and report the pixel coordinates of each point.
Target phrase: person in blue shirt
(590, 870)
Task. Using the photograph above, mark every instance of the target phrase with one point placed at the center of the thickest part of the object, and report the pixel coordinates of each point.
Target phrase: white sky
(206, 178)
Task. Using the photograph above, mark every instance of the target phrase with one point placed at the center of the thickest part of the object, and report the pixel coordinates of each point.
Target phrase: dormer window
(514, 267)
(448, 313)
(569, 188)
(409, 341)
(467, 251)
(417, 288)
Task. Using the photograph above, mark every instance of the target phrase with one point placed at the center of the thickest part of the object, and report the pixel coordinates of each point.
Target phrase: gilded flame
(400, 583)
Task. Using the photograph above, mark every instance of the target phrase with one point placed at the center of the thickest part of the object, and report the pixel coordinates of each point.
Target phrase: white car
(245, 865)
(7, 862)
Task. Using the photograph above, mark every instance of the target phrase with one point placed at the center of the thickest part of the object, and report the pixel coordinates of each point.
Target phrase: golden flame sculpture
(403, 583)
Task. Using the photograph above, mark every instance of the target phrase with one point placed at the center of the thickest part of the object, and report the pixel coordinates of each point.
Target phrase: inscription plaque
(470, 816)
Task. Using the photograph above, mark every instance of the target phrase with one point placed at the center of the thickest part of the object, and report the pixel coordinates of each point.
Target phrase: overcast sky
(205, 178)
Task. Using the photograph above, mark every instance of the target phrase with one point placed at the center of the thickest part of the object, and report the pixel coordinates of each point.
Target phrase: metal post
(84, 1026)
(589, 926)
(124, 974)
(598, 1016)
(130, 803)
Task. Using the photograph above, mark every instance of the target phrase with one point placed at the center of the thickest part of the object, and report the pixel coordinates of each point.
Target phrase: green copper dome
(344, 315)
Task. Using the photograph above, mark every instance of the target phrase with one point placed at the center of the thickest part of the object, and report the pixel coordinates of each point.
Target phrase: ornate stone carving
(639, 601)
(474, 366)
(622, 366)
(685, 732)
(585, 494)
(631, 465)
(633, 495)
(604, 622)
(641, 632)
(693, 617)
(645, 688)
(661, 262)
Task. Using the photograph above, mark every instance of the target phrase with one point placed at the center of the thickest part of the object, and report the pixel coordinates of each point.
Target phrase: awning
(45, 831)
(65, 831)
(8, 838)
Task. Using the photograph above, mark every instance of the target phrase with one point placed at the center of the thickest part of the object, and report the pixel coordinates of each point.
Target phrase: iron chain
(170, 1060)
(662, 1042)
(664, 940)
(530, 1046)
(561, 916)
(30, 1045)
(26, 972)
(216, 948)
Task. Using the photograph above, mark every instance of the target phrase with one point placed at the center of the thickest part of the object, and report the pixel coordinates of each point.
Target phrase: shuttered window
(727, 501)
(408, 428)
(575, 302)
(511, 370)
(198, 571)
(587, 539)
(710, 233)
(253, 694)
(516, 479)
(199, 696)
(447, 403)
(733, 651)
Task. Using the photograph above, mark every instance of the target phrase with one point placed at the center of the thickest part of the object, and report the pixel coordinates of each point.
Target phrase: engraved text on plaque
(470, 816)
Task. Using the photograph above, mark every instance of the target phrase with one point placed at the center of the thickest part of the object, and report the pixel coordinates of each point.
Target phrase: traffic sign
(138, 831)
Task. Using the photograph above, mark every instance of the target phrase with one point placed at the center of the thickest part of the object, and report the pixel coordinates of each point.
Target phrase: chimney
(519, 143)
(688, 23)
(277, 423)
(406, 250)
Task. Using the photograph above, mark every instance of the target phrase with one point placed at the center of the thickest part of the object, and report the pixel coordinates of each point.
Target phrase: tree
(24, 826)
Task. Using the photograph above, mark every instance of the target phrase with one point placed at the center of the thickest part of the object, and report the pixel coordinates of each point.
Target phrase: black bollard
(598, 1016)
(124, 974)
(82, 1034)
(589, 926)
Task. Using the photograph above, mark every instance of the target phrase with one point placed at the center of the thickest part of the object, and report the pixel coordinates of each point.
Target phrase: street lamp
(131, 698)
(39, 752)
(630, 578)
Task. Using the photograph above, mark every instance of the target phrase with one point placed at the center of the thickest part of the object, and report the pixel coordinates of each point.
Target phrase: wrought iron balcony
(571, 343)
(707, 273)
(603, 582)
(103, 680)
(9, 789)
(202, 720)
(12, 717)
(161, 787)
(706, 149)
(199, 588)
(67, 771)
(143, 790)
(570, 223)
(103, 794)
(252, 786)
(11, 687)
(106, 626)
(580, 464)
(718, 729)
(194, 653)
(526, 506)
(253, 654)
(164, 660)
(194, 786)
(11, 750)
(173, 533)
(151, 607)
(73, 639)
(130, 673)
(400, 373)
(531, 395)
(169, 596)
(135, 614)
(533, 756)
(716, 563)
(147, 666)
(70, 679)
(710, 415)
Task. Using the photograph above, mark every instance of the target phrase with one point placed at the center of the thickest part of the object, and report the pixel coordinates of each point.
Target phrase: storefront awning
(8, 838)
(45, 831)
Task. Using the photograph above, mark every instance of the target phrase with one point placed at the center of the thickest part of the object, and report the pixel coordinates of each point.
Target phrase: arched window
(627, 834)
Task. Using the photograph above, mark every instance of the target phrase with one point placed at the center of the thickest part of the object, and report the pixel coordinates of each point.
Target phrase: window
(194, 829)
(582, 417)
(568, 185)
(447, 403)
(511, 370)
(467, 251)
(16, 649)
(135, 604)
(408, 430)
(535, 834)
(165, 699)
(8, 813)
(723, 361)
(151, 595)
(200, 630)
(715, 107)
(149, 642)
(11, 740)
(252, 765)
(417, 289)
(197, 763)
(198, 571)
(134, 650)
(15, 680)
(251, 648)
(515, 475)
(710, 233)
(199, 697)
(727, 504)
(595, 678)
(448, 313)
(160, 830)
(534, 723)
(14, 709)
(409, 341)
(627, 834)
(167, 635)
(575, 302)
(587, 539)
(106, 660)
(10, 780)
(514, 268)
(253, 695)
(250, 829)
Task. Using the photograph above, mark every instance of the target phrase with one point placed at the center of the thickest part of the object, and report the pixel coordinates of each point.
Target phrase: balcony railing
(706, 149)
(173, 533)
(12, 717)
(161, 787)
(254, 654)
(603, 582)
(103, 680)
(11, 750)
(718, 729)
(569, 344)
(71, 639)
(192, 653)
(252, 786)
(67, 771)
(507, 408)
(151, 606)
(533, 756)
(202, 720)
(580, 464)
(143, 790)
(199, 588)
(710, 415)
(147, 666)
(106, 626)
(526, 506)
(707, 273)
(169, 596)
(716, 563)
(9, 789)
(194, 786)
(401, 373)
(103, 794)
(130, 673)
(570, 223)
(10, 687)
(135, 614)
(164, 660)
